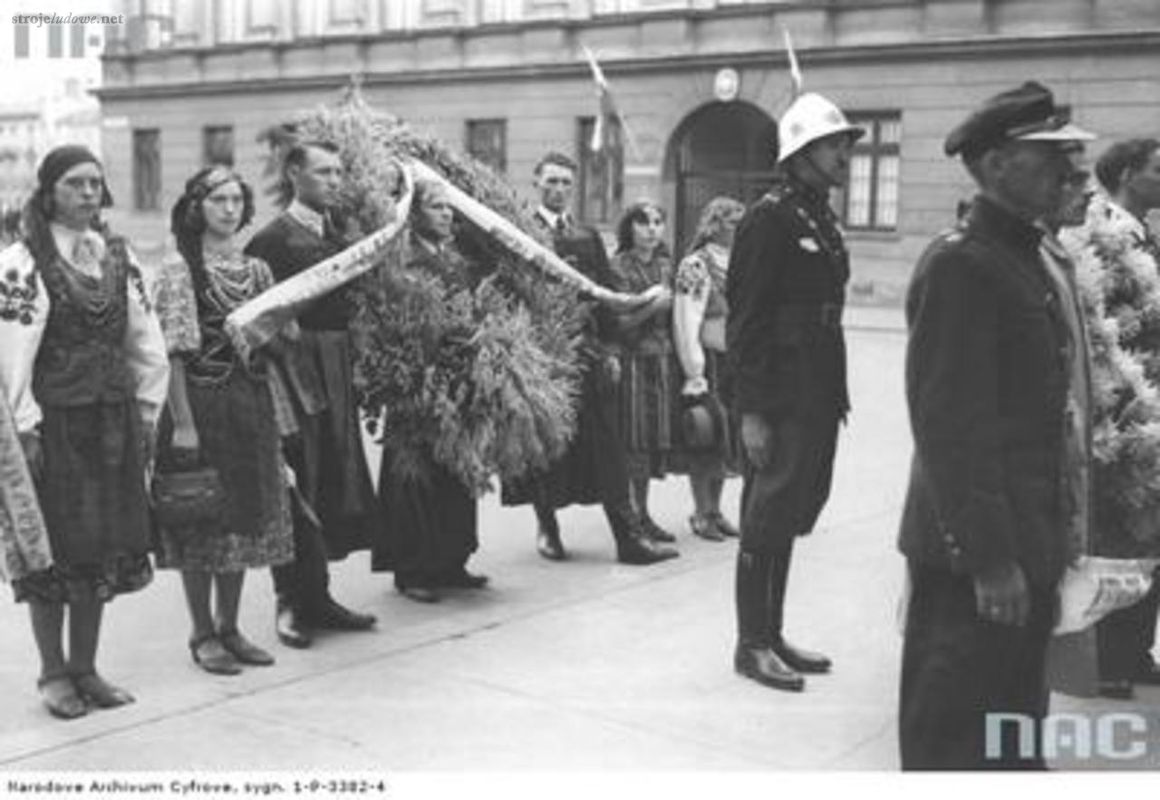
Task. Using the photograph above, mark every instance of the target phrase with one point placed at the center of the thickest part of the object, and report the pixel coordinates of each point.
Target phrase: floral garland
(1119, 285)
(481, 380)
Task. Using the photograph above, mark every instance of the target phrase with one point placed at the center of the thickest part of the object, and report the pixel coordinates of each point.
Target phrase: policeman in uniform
(991, 384)
(787, 357)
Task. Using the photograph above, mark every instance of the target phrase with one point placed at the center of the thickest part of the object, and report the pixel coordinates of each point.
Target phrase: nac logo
(1117, 736)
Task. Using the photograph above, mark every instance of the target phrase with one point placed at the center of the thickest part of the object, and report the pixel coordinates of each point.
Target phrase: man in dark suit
(594, 469)
(327, 452)
(990, 380)
(787, 363)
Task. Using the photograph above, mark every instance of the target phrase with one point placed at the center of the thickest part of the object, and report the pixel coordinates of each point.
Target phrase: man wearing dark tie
(594, 468)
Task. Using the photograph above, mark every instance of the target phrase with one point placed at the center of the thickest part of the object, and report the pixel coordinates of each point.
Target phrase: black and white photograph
(576, 396)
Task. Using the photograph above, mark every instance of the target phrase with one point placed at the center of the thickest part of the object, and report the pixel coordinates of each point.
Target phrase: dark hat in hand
(703, 423)
(1026, 113)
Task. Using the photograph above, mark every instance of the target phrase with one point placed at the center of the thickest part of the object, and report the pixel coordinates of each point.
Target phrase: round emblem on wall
(726, 84)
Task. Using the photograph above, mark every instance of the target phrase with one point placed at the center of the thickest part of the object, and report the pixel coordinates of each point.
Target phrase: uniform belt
(809, 315)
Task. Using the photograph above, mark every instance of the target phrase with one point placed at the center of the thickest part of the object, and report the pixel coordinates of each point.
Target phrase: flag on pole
(608, 109)
(795, 72)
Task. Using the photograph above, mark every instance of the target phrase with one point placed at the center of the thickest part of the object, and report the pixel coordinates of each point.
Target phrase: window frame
(207, 131)
(55, 38)
(470, 129)
(22, 41)
(146, 198)
(76, 40)
(607, 166)
(872, 120)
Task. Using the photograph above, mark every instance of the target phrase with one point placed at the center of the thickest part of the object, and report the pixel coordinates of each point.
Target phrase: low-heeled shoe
(337, 617)
(59, 695)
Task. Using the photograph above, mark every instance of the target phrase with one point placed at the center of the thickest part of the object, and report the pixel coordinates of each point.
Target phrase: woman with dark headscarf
(430, 517)
(84, 368)
(223, 412)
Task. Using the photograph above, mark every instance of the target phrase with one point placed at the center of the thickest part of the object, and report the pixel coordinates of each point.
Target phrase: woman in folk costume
(85, 371)
(641, 262)
(699, 310)
(430, 517)
(223, 410)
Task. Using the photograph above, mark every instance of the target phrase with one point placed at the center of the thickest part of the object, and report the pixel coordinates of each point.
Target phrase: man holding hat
(990, 380)
(787, 355)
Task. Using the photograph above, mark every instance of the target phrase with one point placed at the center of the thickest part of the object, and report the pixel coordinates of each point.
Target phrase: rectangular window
(217, 145)
(870, 200)
(147, 169)
(114, 38)
(76, 40)
(601, 181)
(348, 12)
(22, 41)
(55, 41)
(499, 11)
(487, 142)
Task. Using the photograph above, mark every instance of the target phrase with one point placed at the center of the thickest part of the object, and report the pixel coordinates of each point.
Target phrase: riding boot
(632, 546)
(754, 656)
(804, 661)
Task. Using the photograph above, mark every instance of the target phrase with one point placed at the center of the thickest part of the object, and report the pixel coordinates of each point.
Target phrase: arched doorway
(720, 148)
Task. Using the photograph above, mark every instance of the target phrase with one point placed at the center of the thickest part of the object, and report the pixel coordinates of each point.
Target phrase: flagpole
(795, 72)
(604, 92)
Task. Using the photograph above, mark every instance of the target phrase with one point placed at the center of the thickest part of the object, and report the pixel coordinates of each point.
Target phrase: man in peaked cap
(787, 361)
(990, 380)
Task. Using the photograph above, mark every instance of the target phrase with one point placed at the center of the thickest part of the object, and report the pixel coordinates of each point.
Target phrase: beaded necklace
(231, 280)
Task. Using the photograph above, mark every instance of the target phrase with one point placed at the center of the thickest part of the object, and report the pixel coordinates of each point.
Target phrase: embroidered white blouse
(24, 306)
(696, 326)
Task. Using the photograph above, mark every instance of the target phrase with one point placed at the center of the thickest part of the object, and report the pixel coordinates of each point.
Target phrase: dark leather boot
(795, 657)
(548, 542)
(641, 552)
(802, 660)
(655, 532)
(291, 627)
(764, 666)
(632, 546)
(754, 657)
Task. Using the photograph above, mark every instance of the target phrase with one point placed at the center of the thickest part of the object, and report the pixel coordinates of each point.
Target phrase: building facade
(700, 84)
(51, 65)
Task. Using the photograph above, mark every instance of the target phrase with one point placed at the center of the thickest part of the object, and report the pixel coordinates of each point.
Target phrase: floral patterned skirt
(238, 434)
(94, 502)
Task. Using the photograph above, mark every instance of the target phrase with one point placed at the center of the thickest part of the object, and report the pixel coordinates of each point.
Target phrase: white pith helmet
(811, 117)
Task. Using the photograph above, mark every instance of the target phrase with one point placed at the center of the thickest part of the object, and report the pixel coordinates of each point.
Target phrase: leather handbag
(187, 493)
